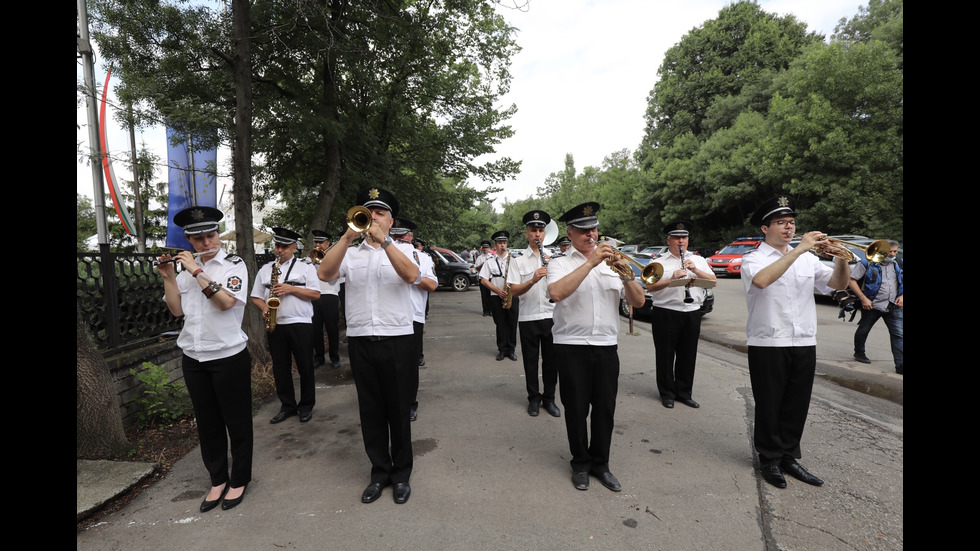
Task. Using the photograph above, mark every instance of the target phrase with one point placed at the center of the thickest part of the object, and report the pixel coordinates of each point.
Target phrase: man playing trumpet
(587, 292)
(779, 282)
(379, 276)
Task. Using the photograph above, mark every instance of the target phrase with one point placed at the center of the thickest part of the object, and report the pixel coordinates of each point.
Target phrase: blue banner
(192, 182)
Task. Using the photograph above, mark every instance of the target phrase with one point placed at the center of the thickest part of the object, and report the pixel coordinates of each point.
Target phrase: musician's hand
(602, 251)
(186, 258)
(167, 270)
(813, 240)
(539, 274)
(282, 289)
(679, 274)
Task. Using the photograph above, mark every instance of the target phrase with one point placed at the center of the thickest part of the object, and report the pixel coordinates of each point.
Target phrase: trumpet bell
(316, 256)
(359, 218)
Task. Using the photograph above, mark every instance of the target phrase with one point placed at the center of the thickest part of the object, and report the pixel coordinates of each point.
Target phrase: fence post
(110, 293)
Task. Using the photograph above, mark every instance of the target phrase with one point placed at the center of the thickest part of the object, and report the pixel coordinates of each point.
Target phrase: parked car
(728, 261)
(632, 249)
(452, 271)
(655, 250)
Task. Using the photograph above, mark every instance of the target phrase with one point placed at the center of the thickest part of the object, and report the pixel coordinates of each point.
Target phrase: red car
(728, 261)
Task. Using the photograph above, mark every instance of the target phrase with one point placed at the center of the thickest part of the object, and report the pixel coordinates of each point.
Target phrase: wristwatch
(386, 242)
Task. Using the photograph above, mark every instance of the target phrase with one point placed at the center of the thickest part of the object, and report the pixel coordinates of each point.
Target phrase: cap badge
(587, 211)
(783, 201)
(373, 193)
(197, 214)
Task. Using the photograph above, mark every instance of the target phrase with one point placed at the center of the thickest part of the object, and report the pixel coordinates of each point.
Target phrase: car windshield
(737, 248)
(453, 257)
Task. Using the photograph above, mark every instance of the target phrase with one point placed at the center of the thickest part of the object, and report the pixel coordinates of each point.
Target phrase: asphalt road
(489, 477)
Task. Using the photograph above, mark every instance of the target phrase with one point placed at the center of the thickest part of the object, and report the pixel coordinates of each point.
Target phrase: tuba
(273, 302)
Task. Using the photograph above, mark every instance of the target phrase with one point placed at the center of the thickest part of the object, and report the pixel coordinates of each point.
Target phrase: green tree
(737, 49)
(836, 139)
(85, 224)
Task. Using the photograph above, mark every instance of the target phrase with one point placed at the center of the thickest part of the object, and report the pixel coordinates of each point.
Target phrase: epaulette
(233, 258)
(557, 255)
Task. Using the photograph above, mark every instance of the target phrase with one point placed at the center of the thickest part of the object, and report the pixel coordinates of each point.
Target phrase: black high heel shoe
(208, 505)
(230, 503)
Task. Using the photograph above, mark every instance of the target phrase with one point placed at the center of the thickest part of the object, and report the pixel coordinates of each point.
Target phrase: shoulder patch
(234, 283)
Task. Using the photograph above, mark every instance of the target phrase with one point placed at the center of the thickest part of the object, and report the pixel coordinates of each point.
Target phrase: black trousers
(289, 342)
(675, 340)
(535, 336)
(589, 380)
(782, 381)
(221, 393)
(506, 322)
(485, 299)
(418, 329)
(383, 374)
(326, 316)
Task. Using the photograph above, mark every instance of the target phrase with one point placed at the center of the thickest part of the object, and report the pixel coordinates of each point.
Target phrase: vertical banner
(192, 182)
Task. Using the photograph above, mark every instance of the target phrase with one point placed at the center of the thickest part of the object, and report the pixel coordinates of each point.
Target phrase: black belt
(373, 338)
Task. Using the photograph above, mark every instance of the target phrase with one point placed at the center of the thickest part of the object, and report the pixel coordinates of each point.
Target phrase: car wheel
(624, 307)
(460, 283)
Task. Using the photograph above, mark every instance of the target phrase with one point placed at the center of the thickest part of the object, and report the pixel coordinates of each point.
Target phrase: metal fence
(120, 297)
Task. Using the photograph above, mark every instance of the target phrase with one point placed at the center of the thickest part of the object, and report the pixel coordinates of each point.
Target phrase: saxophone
(508, 298)
(272, 302)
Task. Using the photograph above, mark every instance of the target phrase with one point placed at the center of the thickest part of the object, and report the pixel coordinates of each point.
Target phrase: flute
(196, 256)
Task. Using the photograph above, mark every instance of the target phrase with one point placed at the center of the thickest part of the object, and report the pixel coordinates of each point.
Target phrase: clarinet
(687, 288)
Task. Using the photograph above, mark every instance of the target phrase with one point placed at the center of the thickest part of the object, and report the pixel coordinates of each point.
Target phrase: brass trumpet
(875, 251)
(649, 274)
(316, 256)
(359, 219)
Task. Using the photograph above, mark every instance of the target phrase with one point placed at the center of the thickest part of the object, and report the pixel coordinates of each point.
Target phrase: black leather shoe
(552, 409)
(421, 361)
(372, 492)
(797, 471)
(532, 408)
(862, 358)
(773, 475)
(413, 414)
(306, 416)
(608, 480)
(900, 369)
(512, 356)
(668, 403)
(689, 402)
(580, 479)
(318, 363)
(208, 505)
(500, 356)
(232, 503)
(335, 365)
(282, 416)
(401, 492)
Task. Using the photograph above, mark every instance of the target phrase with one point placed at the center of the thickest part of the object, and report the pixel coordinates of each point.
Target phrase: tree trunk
(254, 325)
(98, 425)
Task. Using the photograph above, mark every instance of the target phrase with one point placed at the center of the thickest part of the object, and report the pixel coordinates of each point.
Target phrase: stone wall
(128, 387)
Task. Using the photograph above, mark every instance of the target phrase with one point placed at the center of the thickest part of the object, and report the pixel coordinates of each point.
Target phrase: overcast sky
(580, 82)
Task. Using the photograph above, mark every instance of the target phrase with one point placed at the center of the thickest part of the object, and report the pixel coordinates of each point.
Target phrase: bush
(162, 402)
